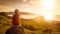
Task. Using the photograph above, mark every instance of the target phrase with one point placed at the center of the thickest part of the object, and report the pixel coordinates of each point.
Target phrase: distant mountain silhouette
(57, 17)
(22, 13)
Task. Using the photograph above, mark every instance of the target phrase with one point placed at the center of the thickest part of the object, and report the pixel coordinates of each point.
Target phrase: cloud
(3, 7)
(25, 5)
(12, 2)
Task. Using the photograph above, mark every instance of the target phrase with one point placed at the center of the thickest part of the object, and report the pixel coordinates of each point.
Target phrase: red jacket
(16, 19)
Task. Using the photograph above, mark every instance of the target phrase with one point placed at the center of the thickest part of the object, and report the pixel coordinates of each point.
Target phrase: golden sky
(33, 6)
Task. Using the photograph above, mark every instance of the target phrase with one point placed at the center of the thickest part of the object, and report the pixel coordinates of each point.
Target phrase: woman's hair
(16, 11)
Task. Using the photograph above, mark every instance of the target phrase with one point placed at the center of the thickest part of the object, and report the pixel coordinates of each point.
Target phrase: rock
(15, 30)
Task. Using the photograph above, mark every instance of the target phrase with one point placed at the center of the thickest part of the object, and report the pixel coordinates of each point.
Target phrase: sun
(48, 16)
(46, 9)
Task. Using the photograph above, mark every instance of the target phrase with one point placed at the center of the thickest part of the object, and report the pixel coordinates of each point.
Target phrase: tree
(3, 14)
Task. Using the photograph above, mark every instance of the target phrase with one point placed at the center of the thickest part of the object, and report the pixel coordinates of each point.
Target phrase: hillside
(31, 26)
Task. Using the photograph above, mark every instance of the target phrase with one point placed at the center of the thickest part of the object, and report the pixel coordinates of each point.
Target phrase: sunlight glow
(48, 16)
(46, 9)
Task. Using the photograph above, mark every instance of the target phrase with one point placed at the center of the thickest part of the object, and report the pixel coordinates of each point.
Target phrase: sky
(20, 4)
(47, 8)
(40, 7)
